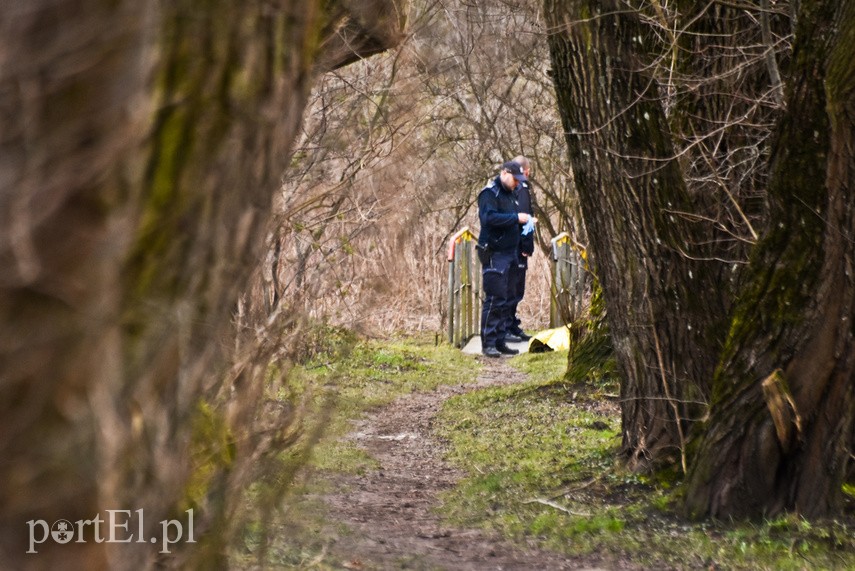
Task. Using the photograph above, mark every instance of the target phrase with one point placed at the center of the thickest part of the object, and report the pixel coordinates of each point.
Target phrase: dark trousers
(516, 291)
(495, 311)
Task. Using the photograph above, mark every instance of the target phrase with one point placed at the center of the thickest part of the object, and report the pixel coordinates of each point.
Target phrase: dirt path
(390, 509)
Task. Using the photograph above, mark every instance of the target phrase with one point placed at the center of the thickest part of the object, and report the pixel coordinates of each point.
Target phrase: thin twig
(564, 491)
(559, 507)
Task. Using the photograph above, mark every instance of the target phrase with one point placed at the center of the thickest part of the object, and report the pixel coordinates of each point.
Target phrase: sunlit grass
(338, 387)
(541, 465)
(541, 459)
(372, 375)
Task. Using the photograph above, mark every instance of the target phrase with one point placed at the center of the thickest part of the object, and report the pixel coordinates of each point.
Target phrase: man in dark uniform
(518, 271)
(498, 244)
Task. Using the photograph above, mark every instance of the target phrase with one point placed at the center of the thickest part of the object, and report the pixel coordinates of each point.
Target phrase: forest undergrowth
(542, 460)
(540, 466)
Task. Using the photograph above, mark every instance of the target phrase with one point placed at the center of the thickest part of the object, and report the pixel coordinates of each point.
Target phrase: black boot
(504, 349)
(521, 334)
(491, 352)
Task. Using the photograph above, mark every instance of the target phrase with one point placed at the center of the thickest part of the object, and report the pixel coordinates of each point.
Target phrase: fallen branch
(564, 491)
(559, 507)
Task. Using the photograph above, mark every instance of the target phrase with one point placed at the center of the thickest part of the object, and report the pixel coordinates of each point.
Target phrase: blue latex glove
(528, 227)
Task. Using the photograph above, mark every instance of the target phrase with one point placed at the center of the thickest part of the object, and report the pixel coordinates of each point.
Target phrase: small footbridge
(569, 283)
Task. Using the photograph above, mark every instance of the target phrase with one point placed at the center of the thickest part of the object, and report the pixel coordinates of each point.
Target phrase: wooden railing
(464, 288)
(569, 285)
(568, 280)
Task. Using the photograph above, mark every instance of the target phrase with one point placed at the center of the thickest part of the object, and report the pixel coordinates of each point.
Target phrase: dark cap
(515, 169)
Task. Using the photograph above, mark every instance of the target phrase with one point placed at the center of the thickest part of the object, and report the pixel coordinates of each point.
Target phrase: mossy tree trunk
(141, 144)
(630, 188)
(778, 432)
(781, 420)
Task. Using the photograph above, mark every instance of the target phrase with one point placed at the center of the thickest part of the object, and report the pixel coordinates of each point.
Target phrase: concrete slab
(473, 347)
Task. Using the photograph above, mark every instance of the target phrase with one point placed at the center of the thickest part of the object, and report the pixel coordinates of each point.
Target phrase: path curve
(390, 509)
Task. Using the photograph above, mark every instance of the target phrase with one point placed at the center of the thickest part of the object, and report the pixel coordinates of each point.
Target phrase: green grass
(344, 379)
(372, 375)
(540, 459)
(541, 465)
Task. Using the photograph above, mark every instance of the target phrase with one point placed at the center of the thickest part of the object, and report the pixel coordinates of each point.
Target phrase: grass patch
(342, 381)
(540, 459)
(373, 374)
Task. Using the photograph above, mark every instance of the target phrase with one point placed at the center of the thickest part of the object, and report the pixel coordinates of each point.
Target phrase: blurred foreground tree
(141, 145)
(764, 358)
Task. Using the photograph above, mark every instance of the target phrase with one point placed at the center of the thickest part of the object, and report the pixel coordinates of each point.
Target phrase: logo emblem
(62, 531)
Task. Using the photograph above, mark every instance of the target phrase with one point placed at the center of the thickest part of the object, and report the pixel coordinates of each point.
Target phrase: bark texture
(721, 75)
(780, 424)
(630, 188)
(141, 144)
(778, 432)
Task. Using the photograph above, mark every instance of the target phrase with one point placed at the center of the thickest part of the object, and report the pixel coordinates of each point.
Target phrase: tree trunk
(781, 421)
(722, 120)
(141, 144)
(630, 187)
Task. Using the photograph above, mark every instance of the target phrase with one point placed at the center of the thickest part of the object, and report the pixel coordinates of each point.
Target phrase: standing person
(516, 285)
(498, 244)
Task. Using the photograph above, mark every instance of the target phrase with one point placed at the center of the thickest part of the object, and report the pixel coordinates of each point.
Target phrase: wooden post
(464, 300)
(568, 280)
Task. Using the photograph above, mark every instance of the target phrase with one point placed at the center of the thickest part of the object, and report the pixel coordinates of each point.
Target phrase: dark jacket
(523, 192)
(497, 210)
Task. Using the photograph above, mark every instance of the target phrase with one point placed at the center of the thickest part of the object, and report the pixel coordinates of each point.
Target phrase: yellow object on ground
(557, 339)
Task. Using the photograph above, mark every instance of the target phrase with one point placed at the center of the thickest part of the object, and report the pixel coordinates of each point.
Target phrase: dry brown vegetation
(392, 154)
